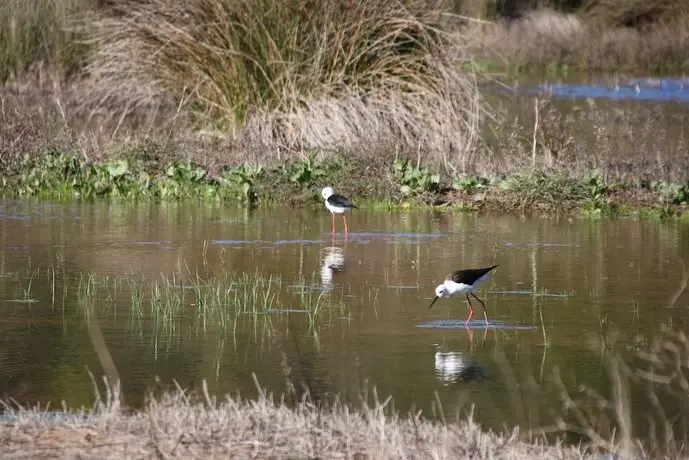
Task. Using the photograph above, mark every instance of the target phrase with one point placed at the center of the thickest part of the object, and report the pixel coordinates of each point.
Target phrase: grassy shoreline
(178, 424)
(388, 183)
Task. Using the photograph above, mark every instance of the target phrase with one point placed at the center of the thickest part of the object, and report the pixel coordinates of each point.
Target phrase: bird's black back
(339, 200)
(469, 275)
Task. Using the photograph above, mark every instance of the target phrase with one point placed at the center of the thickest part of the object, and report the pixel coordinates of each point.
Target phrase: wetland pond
(187, 292)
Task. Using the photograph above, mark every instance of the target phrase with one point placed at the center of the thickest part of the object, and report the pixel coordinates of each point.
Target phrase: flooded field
(187, 292)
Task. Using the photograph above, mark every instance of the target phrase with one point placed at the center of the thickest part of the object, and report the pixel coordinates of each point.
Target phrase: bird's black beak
(431, 305)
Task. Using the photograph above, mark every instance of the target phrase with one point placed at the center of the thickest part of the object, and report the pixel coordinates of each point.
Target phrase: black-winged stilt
(336, 204)
(463, 282)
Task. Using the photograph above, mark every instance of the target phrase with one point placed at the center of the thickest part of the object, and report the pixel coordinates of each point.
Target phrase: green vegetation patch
(383, 184)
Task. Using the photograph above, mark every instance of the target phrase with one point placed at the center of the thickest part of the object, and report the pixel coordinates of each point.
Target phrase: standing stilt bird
(464, 282)
(336, 204)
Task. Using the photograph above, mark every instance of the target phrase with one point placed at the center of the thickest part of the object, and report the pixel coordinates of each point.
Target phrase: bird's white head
(327, 192)
(439, 292)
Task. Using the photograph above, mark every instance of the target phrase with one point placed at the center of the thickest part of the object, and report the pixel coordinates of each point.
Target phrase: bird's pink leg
(471, 311)
(483, 304)
(333, 225)
(345, 223)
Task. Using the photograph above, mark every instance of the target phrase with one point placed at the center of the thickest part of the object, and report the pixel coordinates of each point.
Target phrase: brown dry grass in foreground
(173, 427)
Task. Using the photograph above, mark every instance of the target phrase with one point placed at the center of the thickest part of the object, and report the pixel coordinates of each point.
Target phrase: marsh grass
(226, 302)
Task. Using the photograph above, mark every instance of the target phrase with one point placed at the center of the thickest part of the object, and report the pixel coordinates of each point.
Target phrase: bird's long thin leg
(333, 225)
(485, 312)
(471, 310)
(345, 222)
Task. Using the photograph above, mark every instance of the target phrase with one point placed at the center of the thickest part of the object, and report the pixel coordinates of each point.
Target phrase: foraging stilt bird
(464, 282)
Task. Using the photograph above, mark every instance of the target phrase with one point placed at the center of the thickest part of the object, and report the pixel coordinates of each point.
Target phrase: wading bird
(337, 204)
(463, 282)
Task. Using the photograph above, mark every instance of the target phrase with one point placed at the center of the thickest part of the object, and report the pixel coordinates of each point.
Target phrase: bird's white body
(326, 193)
(449, 288)
(335, 209)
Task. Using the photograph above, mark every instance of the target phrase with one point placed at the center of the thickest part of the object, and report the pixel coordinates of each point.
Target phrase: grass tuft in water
(223, 302)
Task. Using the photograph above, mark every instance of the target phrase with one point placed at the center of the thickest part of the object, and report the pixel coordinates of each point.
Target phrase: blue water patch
(279, 242)
(145, 243)
(532, 293)
(236, 242)
(643, 89)
(57, 416)
(285, 310)
(398, 235)
(16, 248)
(545, 245)
(306, 287)
(473, 324)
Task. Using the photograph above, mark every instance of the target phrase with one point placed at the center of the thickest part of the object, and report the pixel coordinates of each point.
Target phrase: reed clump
(294, 74)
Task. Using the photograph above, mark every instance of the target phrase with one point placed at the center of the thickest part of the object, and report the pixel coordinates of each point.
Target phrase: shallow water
(560, 287)
(666, 89)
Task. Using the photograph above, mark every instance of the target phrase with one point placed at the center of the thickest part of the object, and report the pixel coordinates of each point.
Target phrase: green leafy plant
(183, 178)
(242, 179)
(595, 186)
(671, 192)
(413, 179)
(470, 183)
(596, 191)
(307, 171)
(185, 172)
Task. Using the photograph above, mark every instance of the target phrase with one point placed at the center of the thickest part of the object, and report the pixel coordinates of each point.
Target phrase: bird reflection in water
(455, 366)
(333, 261)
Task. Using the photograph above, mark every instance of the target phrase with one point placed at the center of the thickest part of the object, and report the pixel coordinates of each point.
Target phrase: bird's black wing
(340, 201)
(469, 275)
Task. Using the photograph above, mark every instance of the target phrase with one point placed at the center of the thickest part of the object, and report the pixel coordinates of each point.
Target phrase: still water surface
(561, 285)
